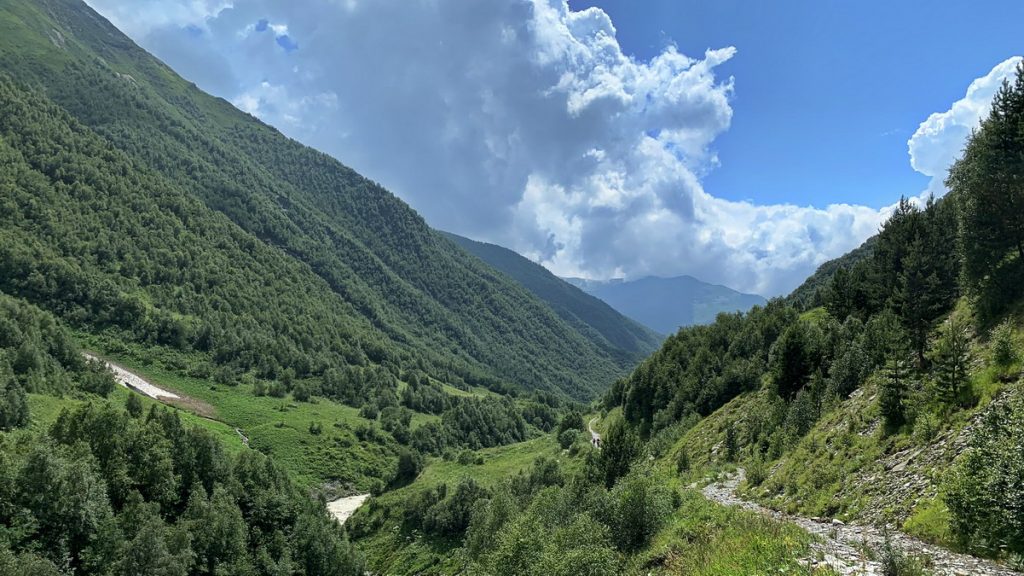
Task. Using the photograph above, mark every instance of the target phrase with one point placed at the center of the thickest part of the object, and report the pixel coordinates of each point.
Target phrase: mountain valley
(223, 352)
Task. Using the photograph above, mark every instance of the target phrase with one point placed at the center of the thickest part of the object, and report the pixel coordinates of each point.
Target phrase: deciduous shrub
(985, 493)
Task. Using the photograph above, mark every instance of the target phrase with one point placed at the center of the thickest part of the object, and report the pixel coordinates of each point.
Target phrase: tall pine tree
(915, 297)
(952, 359)
(988, 184)
(892, 393)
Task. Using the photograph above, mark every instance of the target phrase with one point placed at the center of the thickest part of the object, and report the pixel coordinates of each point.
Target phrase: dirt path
(842, 546)
(134, 382)
(595, 438)
(343, 508)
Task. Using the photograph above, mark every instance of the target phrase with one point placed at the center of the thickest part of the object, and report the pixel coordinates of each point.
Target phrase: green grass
(930, 522)
(391, 550)
(280, 427)
(700, 441)
(602, 422)
(815, 315)
(706, 539)
(45, 409)
(987, 383)
(701, 538)
(472, 392)
(226, 434)
(499, 463)
(814, 476)
(841, 467)
(419, 419)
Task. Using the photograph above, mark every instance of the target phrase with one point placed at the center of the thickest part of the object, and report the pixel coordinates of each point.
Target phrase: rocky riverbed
(851, 549)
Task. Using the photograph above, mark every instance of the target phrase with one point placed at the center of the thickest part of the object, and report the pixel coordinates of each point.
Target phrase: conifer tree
(732, 447)
(915, 296)
(134, 406)
(838, 295)
(13, 406)
(952, 357)
(791, 361)
(618, 451)
(892, 393)
(988, 184)
(894, 242)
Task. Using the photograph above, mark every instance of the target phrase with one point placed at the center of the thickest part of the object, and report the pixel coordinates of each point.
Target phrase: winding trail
(843, 546)
(595, 438)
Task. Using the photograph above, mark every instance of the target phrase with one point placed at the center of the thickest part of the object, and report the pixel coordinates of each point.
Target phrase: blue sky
(741, 142)
(827, 92)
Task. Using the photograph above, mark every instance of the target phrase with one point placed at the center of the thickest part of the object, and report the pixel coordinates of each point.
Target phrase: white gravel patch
(343, 508)
(133, 381)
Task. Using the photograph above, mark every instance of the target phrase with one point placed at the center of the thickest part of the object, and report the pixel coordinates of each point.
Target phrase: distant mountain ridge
(622, 337)
(666, 304)
(808, 294)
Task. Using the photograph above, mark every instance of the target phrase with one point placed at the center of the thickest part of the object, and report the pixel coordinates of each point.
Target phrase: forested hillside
(177, 220)
(321, 341)
(610, 330)
(888, 393)
(118, 490)
(810, 293)
(889, 367)
(752, 390)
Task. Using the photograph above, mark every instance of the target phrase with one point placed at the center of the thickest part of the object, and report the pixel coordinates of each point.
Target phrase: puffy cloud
(519, 122)
(138, 18)
(939, 140)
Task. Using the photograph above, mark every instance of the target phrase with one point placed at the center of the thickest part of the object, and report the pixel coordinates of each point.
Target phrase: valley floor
(846, 548)
(341, 509)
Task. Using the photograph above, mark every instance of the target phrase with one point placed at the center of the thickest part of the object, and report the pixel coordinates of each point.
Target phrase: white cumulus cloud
(940, 139)
(520, 122)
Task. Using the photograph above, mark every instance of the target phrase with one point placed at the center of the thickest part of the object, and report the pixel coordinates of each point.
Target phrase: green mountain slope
(611, 331)
(888, 390)
(667, 304)
(136, 203)
(808, 293)
(92, 474)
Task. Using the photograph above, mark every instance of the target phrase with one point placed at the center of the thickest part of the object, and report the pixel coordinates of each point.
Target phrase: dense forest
(143, 216)
(153, 220)
(911, 315)
(882, 303)
(117, 490)
(610, 329)
(182, 222)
